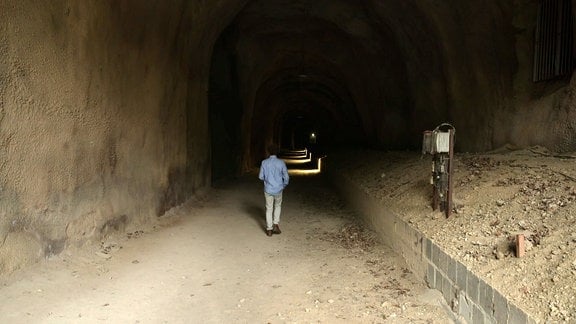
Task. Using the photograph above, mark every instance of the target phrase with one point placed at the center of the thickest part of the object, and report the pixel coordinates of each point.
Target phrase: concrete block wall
(470, 298)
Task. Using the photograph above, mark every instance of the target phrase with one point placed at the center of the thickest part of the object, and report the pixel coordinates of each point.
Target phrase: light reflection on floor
(318, 170)
(300, 157)
(297, 161)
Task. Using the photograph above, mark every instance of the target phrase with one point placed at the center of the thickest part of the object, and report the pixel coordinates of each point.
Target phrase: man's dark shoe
(276, 229)
(269, 232)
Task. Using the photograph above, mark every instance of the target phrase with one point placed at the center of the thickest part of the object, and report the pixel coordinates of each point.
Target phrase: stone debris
(135, 234)
(107, 249)
(352, 236)
(496, 197)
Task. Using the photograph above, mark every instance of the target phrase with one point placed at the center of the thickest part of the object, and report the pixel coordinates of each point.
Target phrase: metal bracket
(440, 144)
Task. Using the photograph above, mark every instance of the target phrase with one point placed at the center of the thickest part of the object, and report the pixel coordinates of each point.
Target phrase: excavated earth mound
(497, 195)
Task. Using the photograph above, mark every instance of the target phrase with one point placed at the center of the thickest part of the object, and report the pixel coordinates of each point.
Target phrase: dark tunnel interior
(287, 70)
(354, 73)
(130, 108)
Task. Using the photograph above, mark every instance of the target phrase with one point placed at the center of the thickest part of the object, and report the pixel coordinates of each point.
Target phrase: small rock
(330, 301)
(528, 245)
(500, 203)
(103, 255)
(522, 224)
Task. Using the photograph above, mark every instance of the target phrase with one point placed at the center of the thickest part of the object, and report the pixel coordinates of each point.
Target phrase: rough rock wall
(549, 120)
(460, 59)
(541, 113)
(470, 63)
(488, 49)
(93, 120)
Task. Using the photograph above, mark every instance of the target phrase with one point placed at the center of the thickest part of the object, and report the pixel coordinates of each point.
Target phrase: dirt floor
(209, 261)
(497, 196)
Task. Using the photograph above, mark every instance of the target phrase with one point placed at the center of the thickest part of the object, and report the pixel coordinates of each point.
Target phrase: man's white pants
(273, 208)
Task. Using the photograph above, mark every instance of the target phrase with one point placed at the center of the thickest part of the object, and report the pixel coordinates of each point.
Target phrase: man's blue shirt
(274, 173)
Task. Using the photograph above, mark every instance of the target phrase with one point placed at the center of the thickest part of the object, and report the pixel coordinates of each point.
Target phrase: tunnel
(114, 112)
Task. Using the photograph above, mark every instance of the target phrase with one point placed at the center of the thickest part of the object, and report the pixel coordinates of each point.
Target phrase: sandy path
(214, 264)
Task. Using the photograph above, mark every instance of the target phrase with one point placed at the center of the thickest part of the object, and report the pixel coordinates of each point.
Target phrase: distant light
(313, 135)
(303, 76)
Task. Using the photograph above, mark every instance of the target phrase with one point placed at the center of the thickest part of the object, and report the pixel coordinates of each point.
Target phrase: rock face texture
(96, 126)
(112, 112)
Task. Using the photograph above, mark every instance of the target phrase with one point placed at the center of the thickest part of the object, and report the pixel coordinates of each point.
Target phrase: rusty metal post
(435, 191)
(440, 144)
(435, 198)
(450, 173)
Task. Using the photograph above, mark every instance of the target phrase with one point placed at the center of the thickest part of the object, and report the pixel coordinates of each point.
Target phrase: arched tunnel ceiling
(297, 90)
(328, 49)
(313, 18)
(399, 66)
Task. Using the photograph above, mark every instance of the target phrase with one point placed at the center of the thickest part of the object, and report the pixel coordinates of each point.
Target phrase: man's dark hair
(273, 149)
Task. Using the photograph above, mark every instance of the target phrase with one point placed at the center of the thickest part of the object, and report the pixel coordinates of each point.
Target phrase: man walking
(274, 173)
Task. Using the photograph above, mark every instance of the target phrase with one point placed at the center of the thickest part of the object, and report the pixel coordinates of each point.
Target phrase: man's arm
(285, 176)
(261, 174)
